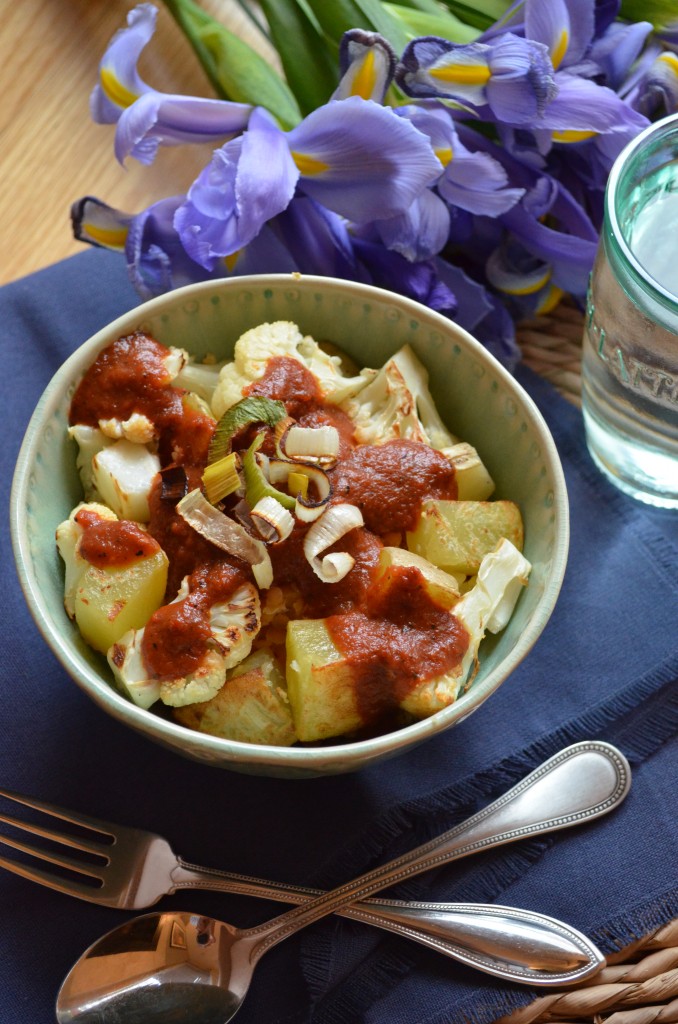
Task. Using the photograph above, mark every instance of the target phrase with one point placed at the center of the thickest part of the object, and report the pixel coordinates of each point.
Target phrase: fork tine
(33, 874)
(87, 846)
(65, 814)
(82, 868)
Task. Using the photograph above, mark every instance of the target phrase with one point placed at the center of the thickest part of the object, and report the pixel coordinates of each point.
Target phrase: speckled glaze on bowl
(478, 399)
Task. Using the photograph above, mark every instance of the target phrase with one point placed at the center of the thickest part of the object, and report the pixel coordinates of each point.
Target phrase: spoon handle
(581, 782)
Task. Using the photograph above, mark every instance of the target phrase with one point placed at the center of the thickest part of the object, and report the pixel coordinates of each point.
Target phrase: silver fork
(137, 868)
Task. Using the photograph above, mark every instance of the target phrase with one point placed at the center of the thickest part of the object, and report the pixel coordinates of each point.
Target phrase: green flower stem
(308, 58)
(236, 71)
(421, 23)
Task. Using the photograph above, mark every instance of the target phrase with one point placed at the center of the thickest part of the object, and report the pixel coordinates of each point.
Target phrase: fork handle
(582, 782)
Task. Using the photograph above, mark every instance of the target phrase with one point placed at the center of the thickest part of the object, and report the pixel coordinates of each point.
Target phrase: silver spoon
(121, 973)
(196, 970)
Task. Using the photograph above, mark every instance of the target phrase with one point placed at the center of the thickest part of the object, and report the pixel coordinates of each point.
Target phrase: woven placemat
(639, 985)
(551, 346)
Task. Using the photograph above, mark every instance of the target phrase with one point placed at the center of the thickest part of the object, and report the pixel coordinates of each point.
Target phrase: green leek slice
(256, 484)
(221, 478)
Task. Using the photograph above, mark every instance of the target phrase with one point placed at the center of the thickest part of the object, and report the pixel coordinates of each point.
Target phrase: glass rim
(615, 177)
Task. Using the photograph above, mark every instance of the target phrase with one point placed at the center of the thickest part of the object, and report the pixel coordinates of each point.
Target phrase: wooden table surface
(51, 152)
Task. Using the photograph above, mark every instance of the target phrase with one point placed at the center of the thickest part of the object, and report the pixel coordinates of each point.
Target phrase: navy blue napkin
(605, 667)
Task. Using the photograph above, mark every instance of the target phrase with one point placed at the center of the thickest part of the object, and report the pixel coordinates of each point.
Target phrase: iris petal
(367, 163)
(157, 119)
(248, 181)
(367, 63)
(120, 83)
(420, 232)
(436, 67)
(99, 224)
(582, 105)
(565, 26)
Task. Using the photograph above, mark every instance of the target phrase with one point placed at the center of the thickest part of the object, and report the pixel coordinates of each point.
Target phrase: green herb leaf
(255, 409)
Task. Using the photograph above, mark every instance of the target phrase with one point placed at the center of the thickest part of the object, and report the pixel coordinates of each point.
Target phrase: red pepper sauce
(399, 639)
(184, 547)
(113, 543)
(388, 483)
(175, 638)
(288, 381)
(130, 376)
(290, 566)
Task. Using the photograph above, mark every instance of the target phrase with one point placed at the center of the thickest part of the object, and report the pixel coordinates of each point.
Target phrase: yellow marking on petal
(462, 74)
(671, 60)
(114, 89)
(550, 300)
(527, 289)
(444, 155)
(308, 165)
(572, 136)
(560, 49)
(365, 78)
(231, 260)
(112, 238)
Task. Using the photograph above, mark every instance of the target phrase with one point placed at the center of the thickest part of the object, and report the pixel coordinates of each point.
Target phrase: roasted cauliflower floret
(233, 625)
(251, 706)
(123, 474)
(199, 379)
(396, 404)
(90, 441)
(136, 428)
(255, 347)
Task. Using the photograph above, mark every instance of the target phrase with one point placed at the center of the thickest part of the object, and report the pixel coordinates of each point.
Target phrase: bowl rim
(219, 750)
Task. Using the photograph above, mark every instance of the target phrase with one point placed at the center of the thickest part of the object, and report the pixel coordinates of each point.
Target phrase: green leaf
(660, 12)
(237, 71)
(308, 59)
(254, 409)
(420, 23)
(340, 16)
(426, 6)
(481, 14)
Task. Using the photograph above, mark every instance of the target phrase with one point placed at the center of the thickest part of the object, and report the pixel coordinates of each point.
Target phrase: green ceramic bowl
(479, 400)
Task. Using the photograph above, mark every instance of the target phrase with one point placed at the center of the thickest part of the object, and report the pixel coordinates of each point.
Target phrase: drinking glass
(630, 344)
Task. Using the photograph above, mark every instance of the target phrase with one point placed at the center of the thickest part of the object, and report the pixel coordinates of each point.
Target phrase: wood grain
(51, 153)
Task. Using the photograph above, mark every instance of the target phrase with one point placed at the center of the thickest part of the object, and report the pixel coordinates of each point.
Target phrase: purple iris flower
(511, 76)
(367, 63)
(387, 269)
(361, 160)
(156, 260)
(146, 118)
(472, 180)
(356, 158)
(317, 240)
(481, 313)
(657, 90)
(249, 180)
(421, 231)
